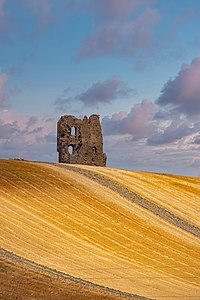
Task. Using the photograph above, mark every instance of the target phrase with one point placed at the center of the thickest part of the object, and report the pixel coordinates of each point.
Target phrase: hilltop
(136, 233)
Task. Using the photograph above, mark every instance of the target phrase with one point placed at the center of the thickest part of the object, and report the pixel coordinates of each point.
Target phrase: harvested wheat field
(134, 232)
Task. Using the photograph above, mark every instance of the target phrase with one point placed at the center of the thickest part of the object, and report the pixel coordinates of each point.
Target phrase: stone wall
(80, 141)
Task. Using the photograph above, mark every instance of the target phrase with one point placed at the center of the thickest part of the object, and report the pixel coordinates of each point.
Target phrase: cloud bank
(156, 136)
(28, 137)
(167, 130)
(138, 122)
(182, 94)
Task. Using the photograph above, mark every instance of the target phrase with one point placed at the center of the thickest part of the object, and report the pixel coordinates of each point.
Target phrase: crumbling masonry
(80, 141)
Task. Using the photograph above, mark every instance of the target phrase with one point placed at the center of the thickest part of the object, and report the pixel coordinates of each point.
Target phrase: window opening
(73, 131)
(70, 149)
(94, 150)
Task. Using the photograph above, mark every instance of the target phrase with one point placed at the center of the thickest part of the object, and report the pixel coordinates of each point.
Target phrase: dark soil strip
(9, 256)
(125, 192)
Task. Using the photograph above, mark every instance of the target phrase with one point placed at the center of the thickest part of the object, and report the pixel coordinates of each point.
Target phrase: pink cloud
(183, 92)
(138, 122)
(146, 130)
(8, 130)
(147, 121)
(26, 123)
(29, 137)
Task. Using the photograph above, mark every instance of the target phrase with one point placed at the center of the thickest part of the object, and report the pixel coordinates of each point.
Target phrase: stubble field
(131, 231)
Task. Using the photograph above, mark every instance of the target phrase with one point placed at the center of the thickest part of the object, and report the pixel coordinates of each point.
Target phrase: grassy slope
(66, 221)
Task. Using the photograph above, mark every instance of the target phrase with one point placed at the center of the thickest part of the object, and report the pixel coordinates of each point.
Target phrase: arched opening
(94, 149)
(70, 149)
(73, 130)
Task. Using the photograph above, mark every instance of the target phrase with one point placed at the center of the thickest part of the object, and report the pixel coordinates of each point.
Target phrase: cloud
(41, 9)
(116, 8)
(175, 131)
(104, 92)
(138, 123)
(101, 41)
(29, 137)
(8, 130)
(178, 109)
(124, 152)
(157, 124)
(141, 33)
(182, 94)
(197, 140)
(113, 8)
(161, 136)
(101, 92)
(121, 28)
(3, 93)
(108, 9)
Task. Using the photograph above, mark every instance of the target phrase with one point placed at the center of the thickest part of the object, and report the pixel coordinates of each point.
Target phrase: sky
(136, 63)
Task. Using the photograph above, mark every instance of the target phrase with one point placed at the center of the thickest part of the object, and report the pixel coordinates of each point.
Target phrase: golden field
(62, 219)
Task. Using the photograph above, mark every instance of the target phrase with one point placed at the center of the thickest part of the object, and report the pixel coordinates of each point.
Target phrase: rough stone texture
(80, 141)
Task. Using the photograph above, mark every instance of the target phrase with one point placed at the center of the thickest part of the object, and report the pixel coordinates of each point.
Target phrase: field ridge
(18, 260)
(89, 227)
(125, 192)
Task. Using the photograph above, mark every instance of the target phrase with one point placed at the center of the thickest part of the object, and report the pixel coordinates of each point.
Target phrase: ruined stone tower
(80, 141)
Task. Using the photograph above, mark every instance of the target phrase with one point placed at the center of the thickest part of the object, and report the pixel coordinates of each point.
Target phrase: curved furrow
(183, 200)
(144, 203)
(88, 289)
(75, 224)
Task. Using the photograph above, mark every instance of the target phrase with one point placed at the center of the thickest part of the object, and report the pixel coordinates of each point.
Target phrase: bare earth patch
(23, 279)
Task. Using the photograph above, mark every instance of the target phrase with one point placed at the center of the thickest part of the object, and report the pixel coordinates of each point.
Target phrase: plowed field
(131, 231)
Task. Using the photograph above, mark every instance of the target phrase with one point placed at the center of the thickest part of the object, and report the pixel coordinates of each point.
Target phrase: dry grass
(69, 222)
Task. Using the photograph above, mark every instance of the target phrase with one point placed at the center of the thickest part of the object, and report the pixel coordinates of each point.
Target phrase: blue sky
(136, 63)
